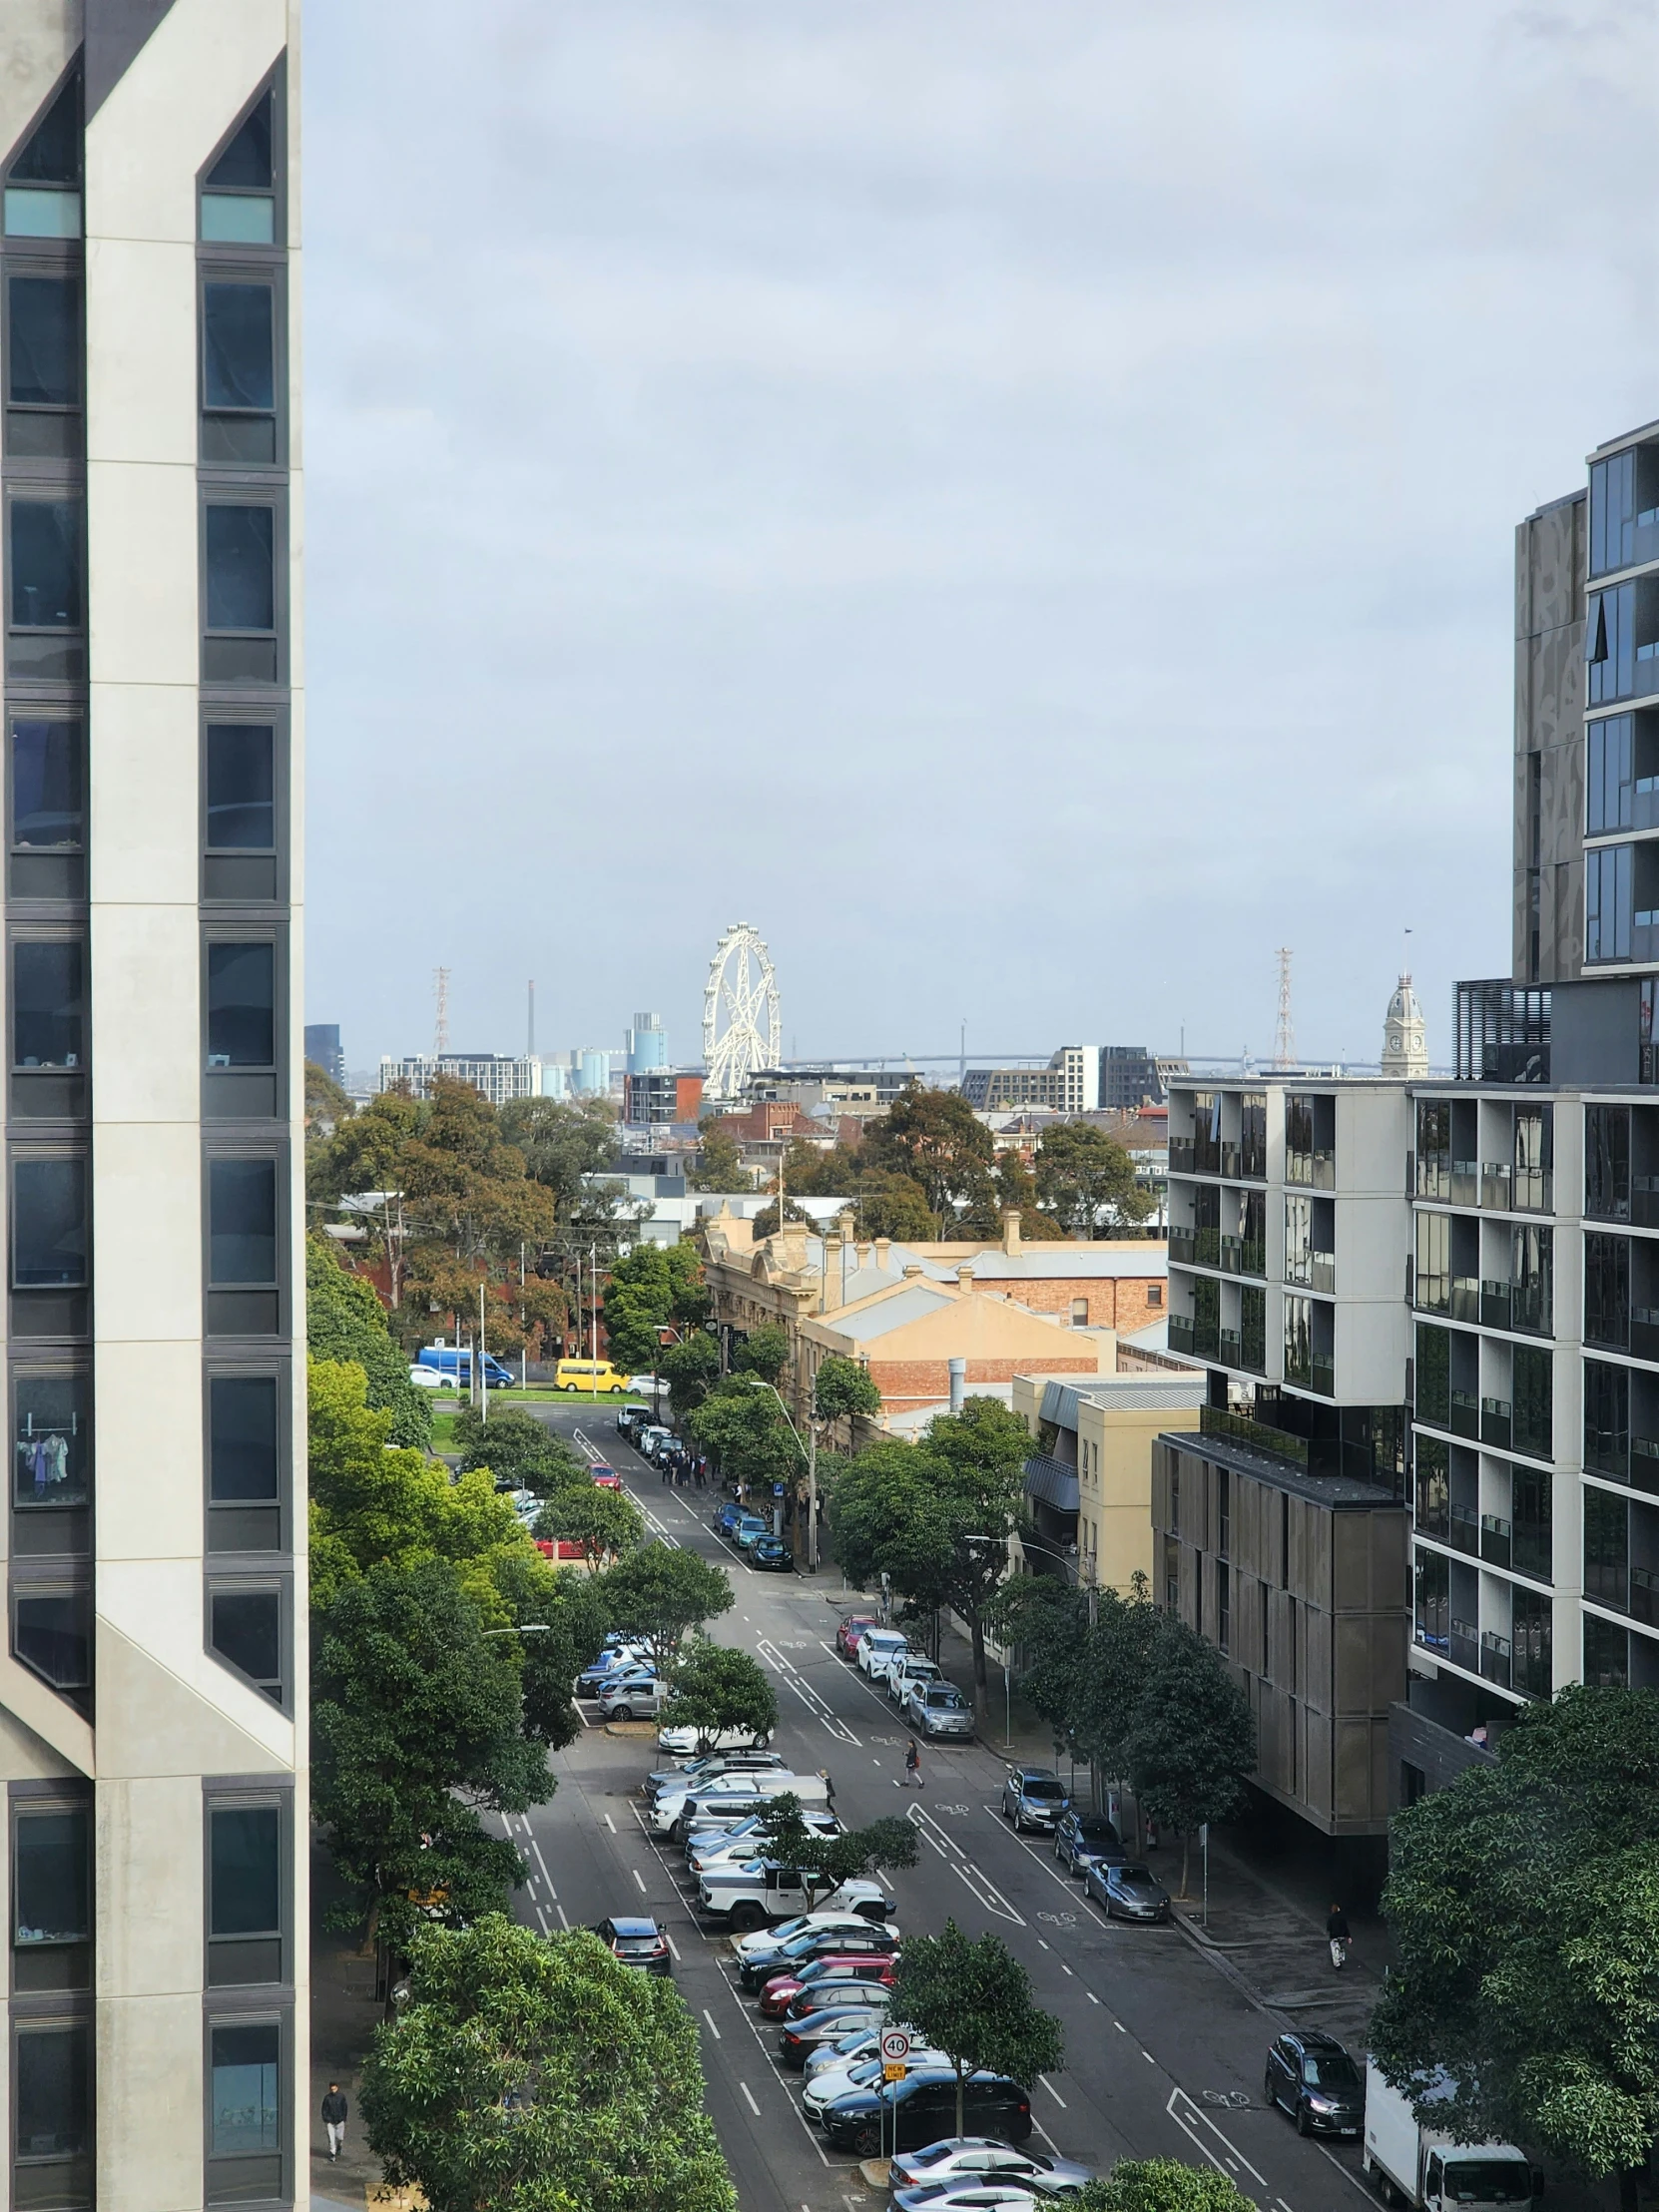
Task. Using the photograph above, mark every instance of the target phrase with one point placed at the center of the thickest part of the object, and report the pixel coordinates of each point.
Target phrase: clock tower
(1405, 1037)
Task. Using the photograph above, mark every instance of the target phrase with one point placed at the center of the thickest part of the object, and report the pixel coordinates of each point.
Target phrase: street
(1164, 2052)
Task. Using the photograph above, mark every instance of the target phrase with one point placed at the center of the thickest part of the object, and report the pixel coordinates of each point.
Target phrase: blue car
(750, 1530)
(729, 1517)
(772, 1553)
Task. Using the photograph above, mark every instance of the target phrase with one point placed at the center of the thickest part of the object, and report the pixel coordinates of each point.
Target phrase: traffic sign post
(895, 2051)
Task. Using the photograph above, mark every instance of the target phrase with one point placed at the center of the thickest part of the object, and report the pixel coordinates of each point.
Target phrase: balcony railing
(1253, 1256)
(1230, 1348)
(1230, 1160)
(1533, 1191)
(1321, 1374)
(1466, 1414)
(1253, 1349)
(1495, 1303)
(1206, 1247)
(1324, 1272)
(1496, 1422)
(1433, 1517)
(1533, 1550)
(1228, 1253)
(1316, 1170)
(1465, 1530)
(1179, 1334)
(1466, 1183)
(1206, 1340)
(1494, 1659)
(1253, 1161)
(1494, 1185)
(1181, 1155)
(1532, 1309)
(1254, 1436)
(1182, 1244)
(1496, 1540)
(1466, 1297)
(1607, 1451)
(1464, 1646)
(1432, 1178)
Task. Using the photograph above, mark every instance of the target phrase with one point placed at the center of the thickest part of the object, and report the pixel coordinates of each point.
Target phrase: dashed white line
(1064, 1969)
(542, 1862)
(1089, 1993)
(1147, 2055)
(542, 1917)
(713, 2030)
(1118, 2025)
(563, 1923)
(673, 1947)
(1053, 2092)
(639, 1879)
(749, 2098)
(609, 1823)
(1041, 1945)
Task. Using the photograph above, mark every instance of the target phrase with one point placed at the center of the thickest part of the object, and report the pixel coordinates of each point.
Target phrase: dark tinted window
(238, 348)
(49, 1223)
(51, 1439)
(246, 1630)
(241, 1442)
(48, 812)
(52, 2105)
(241, 787)
(1609, 789)
(49, 1009)
(243, 2110)
(44, 369)
(245, 1870)
(245, 162)
(242, 1005)
(52, 1636)
(242, 571)
(242, 1220)
(53, 154)
(50, 1893)
(1330, 2070)
(46, 564)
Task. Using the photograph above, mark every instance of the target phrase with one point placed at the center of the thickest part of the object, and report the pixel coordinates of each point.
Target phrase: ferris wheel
(743, 1024)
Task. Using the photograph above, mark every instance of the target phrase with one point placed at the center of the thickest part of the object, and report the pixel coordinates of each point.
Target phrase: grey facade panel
(1437, 1755)
(1548, 848)
(115, 33)
(1593, 1041)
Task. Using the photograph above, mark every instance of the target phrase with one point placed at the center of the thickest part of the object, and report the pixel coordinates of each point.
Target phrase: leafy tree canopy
(764, 1351)
(1087, 1181)
(746, 1433)
(561, 1142)
(973, 2001)
(933, 1138)
(716, 1687)
(537, 2074)
(652, 1288)
(690, 1369)
(1191, 1740)
(522, 1453)
(720, 1166)
(764, 1223)
(606, 1524)
(842, 1388)
(1161, 2185)
(659, 1592)
(825, 1861)
(344, 1319)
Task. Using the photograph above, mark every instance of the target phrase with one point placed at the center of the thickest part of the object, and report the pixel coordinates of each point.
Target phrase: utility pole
(440, 1027)
(483, 1378)
(593, 1320)
(811, 1493)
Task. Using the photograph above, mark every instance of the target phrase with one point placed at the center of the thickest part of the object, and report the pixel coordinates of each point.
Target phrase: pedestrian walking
(1341, 1934)
(335, 2113)
(912, 1762)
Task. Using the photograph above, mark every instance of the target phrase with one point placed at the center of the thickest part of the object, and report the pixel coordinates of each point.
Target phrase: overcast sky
(1014, 500)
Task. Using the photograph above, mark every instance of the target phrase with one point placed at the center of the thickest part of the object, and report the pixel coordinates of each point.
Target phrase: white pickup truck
(1409, 2163)
(744, 1896)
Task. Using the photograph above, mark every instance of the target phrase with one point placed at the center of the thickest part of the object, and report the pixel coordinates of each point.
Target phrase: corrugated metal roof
(1051, 1483)
(1132, 1393)
(911, 1304)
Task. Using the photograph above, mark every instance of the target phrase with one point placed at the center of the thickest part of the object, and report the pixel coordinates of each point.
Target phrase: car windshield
(637, 1947)
(1043, 1786)
(948, 1701)
(1134, 1873)
(1097, 1832)
(1487, 2181)
(1328, 2069)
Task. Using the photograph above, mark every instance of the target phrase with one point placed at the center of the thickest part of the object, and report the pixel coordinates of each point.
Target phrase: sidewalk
(344, 2014)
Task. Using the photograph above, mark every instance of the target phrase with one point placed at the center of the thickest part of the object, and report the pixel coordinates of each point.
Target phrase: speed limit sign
(896, 2046)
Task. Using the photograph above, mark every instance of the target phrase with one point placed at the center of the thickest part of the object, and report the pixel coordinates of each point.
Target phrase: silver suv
(939, 1708)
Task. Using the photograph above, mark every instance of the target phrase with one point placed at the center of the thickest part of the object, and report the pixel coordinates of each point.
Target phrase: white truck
(744, 1896)
(1409, 2163)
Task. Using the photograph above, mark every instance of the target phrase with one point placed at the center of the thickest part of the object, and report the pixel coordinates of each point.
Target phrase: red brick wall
(1119, 1302)
(916, 1381)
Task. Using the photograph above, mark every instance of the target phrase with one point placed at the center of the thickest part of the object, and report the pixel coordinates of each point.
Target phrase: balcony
(1496, 1422)
(1495, 1303)
(1253, 1161)
(1206, 1340)
(1466, 1183)
(1533, 1191)
(1253, 1435)
(1321, 1374)
(1494, 1659)
(1494, 1185)
(1324, 1272)
(1432, 1178)
(1230, 1348)
(1181, 1155)
(1180, 1334)
(1496, 1541)
(1253, 1256)
(1230, 1160)
(1466, 1297)
(1531, 1309)
(1316, 1170)
(1228, 1255)
(1183, 1243)
(1464, 1533)
(1463, 1646)
(1465, 1414)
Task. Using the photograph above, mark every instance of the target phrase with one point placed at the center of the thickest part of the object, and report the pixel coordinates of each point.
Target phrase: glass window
(237, 218)
(1610, 785)
(1607, 1162)
(238, 347)
(1607, 902)
(49, 1006)
(241, 1440)
(241, 568)
(52, 1436)
(1433, 1598)
(1613, 512)
(51, 1894)
(44, 360)
(1532, 1393)
(1435, 1263)
(53, 2106)
(46, 564)
(246, 1630)
(241, 787)
(238, 205)
(245, 2113)
(1608, 1290)
(242, 1005)
(1606, 1654)
(48, 806)
(1610, 644)
(1607, 1418)
(1533, 1664)
(51, 1634)
(49, 1223)
(1434, 1374)
(242, 1222)
(53, 154)
(245, 1870)
(244, 164)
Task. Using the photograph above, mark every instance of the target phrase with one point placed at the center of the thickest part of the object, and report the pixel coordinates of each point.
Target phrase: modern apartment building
(499, 1076)
(152, 1676)
(1070, 1084)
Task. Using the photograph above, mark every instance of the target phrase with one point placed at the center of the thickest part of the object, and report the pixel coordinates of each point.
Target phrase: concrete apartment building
(1090, 1485)
(152, 1681)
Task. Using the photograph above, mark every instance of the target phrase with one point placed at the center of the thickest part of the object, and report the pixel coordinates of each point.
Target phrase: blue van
(459, 1365)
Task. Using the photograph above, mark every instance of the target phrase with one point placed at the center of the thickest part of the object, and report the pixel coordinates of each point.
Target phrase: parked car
(966, 2196)
(1084, 1840)
(750, 1530)
(851, 1629)
(913, 1667)
(911, 2113)
(597, 1377)
(746, 1758)
(840, 2080)
(822, 1983)
(973, 2159)
(1034, 1797)
(1312, 2077)
(939, 1708)
(727, 1517)
(610, 1662)
(707, 1848)
(772, 1942)
(639, 1698)
(877, 1649)
(771, 1555)
(799, 2038)
(875, 1942)
(637, 1943)
(429, 1379)
(1127, 1892)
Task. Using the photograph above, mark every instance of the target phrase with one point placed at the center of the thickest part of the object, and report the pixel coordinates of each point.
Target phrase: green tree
(1087, 1181)
(887, 1204)
(652, 1288)
(825, 1861)
(764, 1223)
(536, 2074)
(659, 1592)
(935, 1140)
(1161, 2185)
(1523, 1905)
(985, 1448)
(326, 1105)
(561, 1142)
(344, 1319)
(973, 2001)
(412, 1705)
(606, 1524)
(764, 1351)
(522, 1453)
(690, 1369)
(888, 1515)
(719, 1163)
(1192, 1740)
(746, 1433)
(566, 1618)
(843, 1388)
(1011, 1186)
(715, 1688)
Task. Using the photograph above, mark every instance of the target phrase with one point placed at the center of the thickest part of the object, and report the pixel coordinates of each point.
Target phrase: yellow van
(595, 1375)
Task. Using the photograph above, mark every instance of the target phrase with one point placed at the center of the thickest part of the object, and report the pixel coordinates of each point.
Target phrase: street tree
(565, 1621)
(522, 1454)
(415, 1725)
(985, 1448)
(843, 1389)
(344, 1319)
(716, 1688)
(690, 1369)
(561, 1142)
(888, 1203)
(764, 1223)
(825, 1861)
(1087, 1181)
(1161, 2185)
(1523, 1905)
(746, 1433)
(660, 1593)
(540, 2074)
(973, 2001)
(935, 1139)
(764, 1351)
(606, 1524)
(719, 1163)
(888, 1515)
(1192, 1740)
(652, 1289)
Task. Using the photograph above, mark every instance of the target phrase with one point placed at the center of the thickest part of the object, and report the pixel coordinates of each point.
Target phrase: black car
(1034, 1797)
(771, 1555)
(1084, 1840)
(818, 1942)
(637, 1943)
(1127, 1892)
(906, 2115)
(1312, 2077)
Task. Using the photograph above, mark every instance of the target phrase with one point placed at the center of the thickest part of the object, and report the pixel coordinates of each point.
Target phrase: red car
(851, 1629)
(605, 1479)
(779, 1995)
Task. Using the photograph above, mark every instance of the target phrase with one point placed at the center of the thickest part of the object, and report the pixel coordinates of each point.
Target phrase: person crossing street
(1340, 1936)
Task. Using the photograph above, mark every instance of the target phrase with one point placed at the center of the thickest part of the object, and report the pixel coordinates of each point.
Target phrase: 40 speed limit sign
(895, 2049)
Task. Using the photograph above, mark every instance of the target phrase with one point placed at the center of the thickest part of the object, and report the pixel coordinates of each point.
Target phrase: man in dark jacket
(335, 2112)
(1341, 1934)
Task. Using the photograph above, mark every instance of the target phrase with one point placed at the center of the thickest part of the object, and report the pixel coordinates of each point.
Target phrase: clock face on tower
(1393, 1040)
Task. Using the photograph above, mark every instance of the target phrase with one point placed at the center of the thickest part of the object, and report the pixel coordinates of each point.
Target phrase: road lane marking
(1064, 1969)
(1089, 1993)
(749, 2098)
(1053, 2092)
(713, 2030)
(639, 1878)
(673, 1947)
(1178, 2108)
(542, 1862)
(1118, 2025)
(813, 1698)
(542, 1917)
(563, 1923)
(609, 1823)
(1041, 1945)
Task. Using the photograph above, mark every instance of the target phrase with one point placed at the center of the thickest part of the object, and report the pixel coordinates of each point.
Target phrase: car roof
(1310, 2038)
(1036, 1774)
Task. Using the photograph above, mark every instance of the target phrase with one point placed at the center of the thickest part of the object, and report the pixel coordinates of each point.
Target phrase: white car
(429, 1379)
(733, 1850)
(646, 1386)
(912, 1668)
(767, 1940)
(693, 1743)
(878, 1648)
(860, 2073)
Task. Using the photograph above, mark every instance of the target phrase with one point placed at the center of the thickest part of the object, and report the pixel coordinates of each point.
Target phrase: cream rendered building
(153, 1679)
